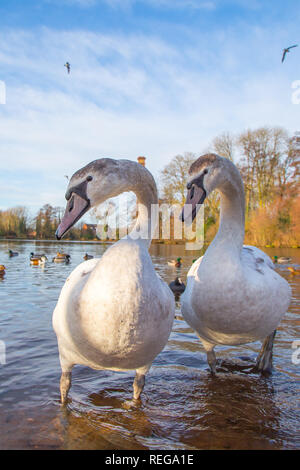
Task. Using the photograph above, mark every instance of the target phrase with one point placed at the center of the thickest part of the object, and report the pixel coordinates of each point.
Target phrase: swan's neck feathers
(147, 205)
(230, 236)
(139, 180)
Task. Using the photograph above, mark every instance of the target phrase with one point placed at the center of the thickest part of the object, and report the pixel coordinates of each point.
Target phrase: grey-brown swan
(233, 294)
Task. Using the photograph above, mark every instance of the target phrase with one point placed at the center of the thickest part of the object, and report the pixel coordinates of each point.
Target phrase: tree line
(268, 160)
(17, 223)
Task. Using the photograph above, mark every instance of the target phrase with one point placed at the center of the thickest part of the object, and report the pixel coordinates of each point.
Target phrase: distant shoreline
(110, 242)
(53, 241)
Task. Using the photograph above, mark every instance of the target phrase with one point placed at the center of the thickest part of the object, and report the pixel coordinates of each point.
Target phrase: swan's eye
(205, 171)
(71, 204)
(89, 178)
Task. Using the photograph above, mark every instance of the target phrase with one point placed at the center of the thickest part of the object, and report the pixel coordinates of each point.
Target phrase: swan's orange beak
(76, 208)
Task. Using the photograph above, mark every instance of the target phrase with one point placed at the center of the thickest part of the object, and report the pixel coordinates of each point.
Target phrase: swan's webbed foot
(65, 384)
(264, 359)
(212, 361)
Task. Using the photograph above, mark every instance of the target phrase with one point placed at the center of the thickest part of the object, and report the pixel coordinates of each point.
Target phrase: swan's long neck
(230, 236)
(147, 203)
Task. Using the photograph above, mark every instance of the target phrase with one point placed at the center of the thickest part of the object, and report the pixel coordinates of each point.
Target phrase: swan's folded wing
(255, 258)
(78, 275)
(194, 267)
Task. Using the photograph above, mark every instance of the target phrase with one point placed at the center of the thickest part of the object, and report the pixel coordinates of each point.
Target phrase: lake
(182, 406)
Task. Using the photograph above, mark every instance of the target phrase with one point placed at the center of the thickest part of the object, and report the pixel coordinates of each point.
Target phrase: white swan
(233, 295)
(114, 312)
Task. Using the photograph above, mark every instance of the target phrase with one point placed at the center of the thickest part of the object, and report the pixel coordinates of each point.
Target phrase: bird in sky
(287, 49)
(68, 66)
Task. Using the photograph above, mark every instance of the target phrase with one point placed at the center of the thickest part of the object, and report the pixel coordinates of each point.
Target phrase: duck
(36, 255)
(176, 263)
(177, 286)
(294, 271)
(87, 256)
(38, 260)
(13, 253)
(114, 312)
(233, 294)
(282, 259)
(2, 270)
(61, 258)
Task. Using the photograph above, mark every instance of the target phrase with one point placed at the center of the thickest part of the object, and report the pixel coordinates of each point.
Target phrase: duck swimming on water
(294, 271)
(38, 260)
(177, 286)
(176, 263)
(282, 259)
(13, 253)
(61, 258)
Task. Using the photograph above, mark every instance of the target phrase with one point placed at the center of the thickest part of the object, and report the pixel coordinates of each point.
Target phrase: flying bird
(287, 50)
(68, 66)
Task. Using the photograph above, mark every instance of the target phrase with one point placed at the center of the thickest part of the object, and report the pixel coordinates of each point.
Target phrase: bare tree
(224, 145)
(174, 178)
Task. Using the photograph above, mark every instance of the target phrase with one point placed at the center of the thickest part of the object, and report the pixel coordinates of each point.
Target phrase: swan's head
(92, 185)
(206, 174)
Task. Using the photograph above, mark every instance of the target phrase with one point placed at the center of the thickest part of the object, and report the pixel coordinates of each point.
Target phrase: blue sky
(148, 77)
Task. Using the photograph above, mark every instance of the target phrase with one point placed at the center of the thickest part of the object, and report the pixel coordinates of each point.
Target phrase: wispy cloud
(129, 95)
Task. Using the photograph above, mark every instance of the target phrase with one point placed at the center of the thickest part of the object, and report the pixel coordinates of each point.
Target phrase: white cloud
(132, 95)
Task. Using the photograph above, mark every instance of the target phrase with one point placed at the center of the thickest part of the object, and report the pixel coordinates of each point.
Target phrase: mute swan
(233, 295)
(114, 312)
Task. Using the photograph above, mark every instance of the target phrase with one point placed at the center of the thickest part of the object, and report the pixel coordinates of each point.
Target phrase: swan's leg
(139, 381)
(264, 359)
(66, 376)
(65, 385)
(210, 353)
(212, 361)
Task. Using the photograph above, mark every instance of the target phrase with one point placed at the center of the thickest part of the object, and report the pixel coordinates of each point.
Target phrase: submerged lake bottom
(182, 406)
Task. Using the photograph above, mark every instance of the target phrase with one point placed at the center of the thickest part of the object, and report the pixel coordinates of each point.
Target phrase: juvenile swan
(114, 312)
(233, 295)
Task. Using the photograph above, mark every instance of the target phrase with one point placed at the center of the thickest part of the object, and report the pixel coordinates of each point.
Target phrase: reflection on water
(182, 406)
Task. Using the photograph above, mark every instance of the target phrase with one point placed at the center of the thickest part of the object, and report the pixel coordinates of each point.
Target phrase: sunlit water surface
(182, 406)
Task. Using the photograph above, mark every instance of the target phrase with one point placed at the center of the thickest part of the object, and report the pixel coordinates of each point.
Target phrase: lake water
(182, 406)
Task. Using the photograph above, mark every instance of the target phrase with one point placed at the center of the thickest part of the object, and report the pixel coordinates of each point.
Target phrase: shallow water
(182, 406)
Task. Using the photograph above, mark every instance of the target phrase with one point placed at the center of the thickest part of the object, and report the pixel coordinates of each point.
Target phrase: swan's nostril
(71, 204)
